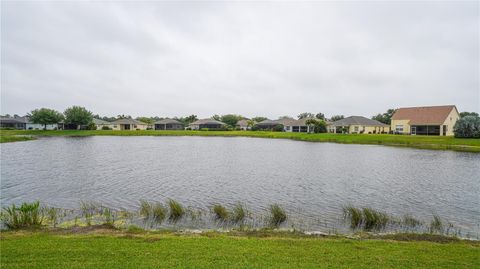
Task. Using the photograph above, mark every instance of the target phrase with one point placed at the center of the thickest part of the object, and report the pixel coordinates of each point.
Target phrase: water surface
(311, 180)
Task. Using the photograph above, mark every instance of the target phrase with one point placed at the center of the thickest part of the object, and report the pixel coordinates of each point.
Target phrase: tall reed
(176, 210)
(221, 213)
(277, 215)
(27, 215)
(239, 213)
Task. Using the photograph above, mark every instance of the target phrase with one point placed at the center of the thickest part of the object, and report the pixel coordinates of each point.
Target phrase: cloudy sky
(254, 59)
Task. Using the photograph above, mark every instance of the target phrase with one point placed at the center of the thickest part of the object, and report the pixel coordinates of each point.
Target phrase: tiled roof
(357, 120)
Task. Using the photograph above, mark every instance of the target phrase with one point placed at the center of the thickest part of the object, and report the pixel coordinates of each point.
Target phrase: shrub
(467, 127)
(278, 128)
(176, 210)
(27, 215)
(106, 128)
(91, 126)
(221, 213)
(255, 128)
(277, 215)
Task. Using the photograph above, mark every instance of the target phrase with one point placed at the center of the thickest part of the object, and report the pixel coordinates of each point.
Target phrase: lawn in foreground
(425, 142)
(112, 250)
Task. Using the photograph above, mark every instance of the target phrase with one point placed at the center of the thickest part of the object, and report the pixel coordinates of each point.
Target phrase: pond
(312, 181)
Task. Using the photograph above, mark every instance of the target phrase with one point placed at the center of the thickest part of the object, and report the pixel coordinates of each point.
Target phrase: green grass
(110, 249)
(424, 142)
(13, 138)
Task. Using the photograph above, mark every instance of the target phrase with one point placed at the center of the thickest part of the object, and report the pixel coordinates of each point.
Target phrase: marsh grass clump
(221, 213)
(159, 212)
(176, 210)
(109, 216)
(27, 215)
(355, 216)
(145, 209)
(277, 215)
(374, 219)
(52, 214)
(410, 221)
(436, 225)
(239, 213)
(88, 209)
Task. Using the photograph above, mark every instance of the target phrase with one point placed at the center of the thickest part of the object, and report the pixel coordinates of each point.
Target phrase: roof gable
(424, 115)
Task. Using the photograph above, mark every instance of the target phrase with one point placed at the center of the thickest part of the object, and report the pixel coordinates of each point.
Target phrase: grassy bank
(122, 249)
(424, 142)
(14, 138)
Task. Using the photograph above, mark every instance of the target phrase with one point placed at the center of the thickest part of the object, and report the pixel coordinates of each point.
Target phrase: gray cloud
(272, 59)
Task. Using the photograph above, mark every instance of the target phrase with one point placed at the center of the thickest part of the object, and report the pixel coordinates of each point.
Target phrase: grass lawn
(425, 142)
(14, 138)
(110, 249)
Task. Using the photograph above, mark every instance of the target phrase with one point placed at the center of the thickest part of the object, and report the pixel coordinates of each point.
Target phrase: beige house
(100, 124)
(129, 124)
(358, 125)
(429, 120)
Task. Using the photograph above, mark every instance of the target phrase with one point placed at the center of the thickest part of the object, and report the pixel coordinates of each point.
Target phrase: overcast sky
(254, 59)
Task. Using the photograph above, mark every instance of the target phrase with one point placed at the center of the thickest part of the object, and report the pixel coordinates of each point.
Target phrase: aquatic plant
(353, 214)
(28, 214)
(221, 213)
(52, 214)
(436, 225)
(374, 219)
(109, 216)
(239, 213)
(176, 210)
(410, 221)
(277, 215)
(159, 212)
(88, 209)
(145, 209)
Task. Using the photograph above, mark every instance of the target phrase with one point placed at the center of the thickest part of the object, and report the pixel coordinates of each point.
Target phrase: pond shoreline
(418, 142)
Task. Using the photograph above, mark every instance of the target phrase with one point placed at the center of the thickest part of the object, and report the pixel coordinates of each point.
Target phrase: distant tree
(78, 116)
(319, 126)
(119, 117)
(337, 117)
(465, 113)
(467, 127)
(216, 117)
(285, 118)
(259, 119)
(45, 116)
(250, 123)
(385, 117)
(231, 119)
(305, 115)
(320, 116)
(187, 120)
(147, 120)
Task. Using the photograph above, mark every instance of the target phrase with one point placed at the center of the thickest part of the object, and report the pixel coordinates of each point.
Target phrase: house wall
(450, 121)
(368, 129)
(35, 126)
(405, 123)
(132, 127)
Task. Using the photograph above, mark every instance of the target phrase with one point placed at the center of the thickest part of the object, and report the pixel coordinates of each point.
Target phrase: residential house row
(430, 120)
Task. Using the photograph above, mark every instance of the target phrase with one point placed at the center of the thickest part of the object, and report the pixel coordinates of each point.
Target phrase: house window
(399, 128)
(134, 126)
(114, 126)
(356, 128)
(287, 128)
